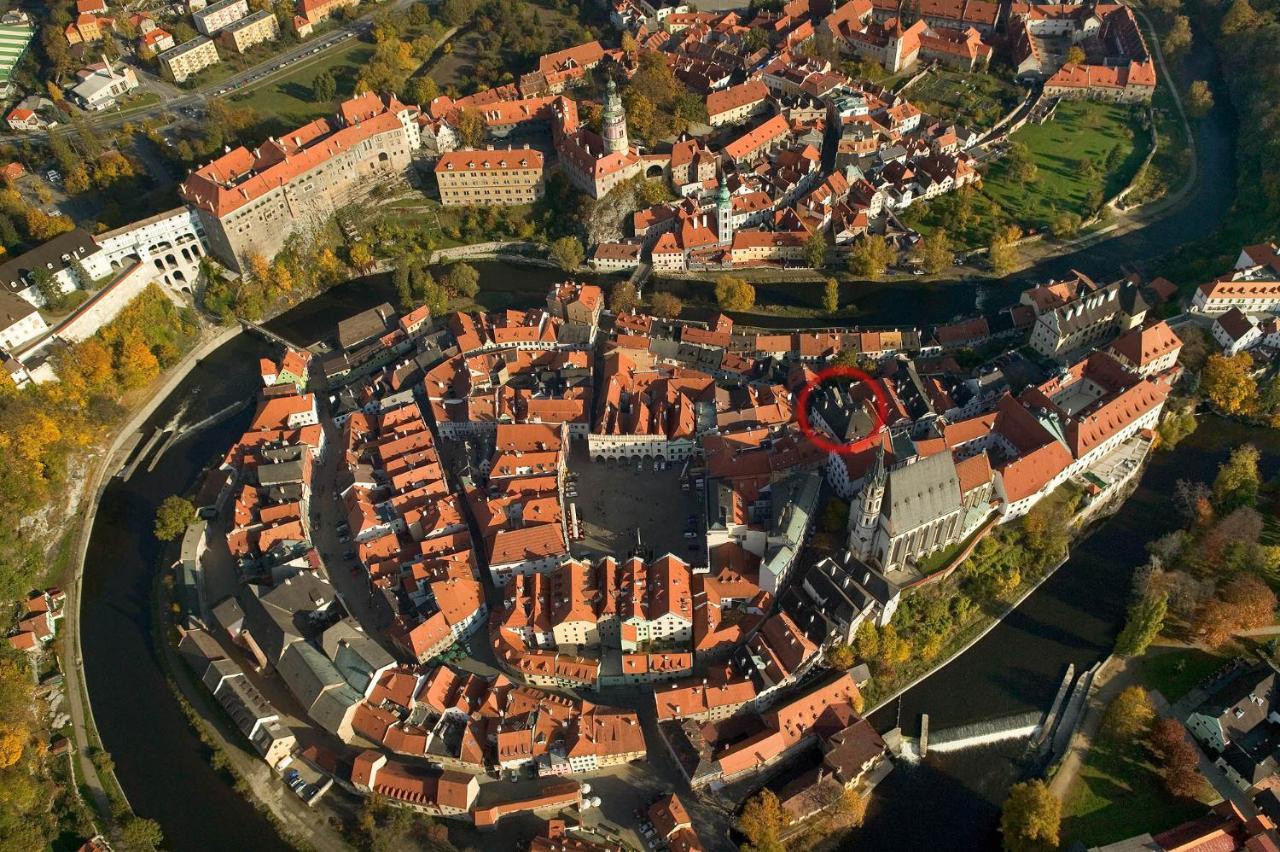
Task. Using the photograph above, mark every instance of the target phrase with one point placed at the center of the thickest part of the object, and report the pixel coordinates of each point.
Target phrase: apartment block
(190, 57)
(248, 31)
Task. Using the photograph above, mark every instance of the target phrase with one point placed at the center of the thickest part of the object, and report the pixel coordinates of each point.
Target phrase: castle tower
(614, 121)
(864, 514)
(724, 214)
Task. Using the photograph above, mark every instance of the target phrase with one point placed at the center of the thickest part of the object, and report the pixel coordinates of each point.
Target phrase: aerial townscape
(576, 425)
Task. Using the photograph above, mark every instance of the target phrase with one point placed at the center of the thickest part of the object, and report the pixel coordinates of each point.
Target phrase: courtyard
(615, 501)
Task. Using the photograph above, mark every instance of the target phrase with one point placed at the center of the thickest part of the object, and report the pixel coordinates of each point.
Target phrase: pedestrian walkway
(1115, 674)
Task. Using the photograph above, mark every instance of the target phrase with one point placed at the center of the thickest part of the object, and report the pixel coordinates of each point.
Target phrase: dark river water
(942, 803)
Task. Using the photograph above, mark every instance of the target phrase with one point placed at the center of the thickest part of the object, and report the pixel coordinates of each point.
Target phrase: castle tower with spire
(724, 213)
(614, 121)
(864, 514)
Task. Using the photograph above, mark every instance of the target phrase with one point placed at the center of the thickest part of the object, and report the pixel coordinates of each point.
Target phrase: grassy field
(974, 100)
(1174, 673)
(1118, 794)
(286, 101)
(1080, 132)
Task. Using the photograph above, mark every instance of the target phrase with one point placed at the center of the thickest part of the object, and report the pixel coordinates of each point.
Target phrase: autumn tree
(734, 294)
(666, 305)
(871, 256)
(623, 298)
(1003, 253)
(567, 253)
(840, 656)
(815, 250)
(831, 296)
(137, 363)
(1199, 99)
(762, 821)
(933, 253)
(1129, 714)
(361, 257)
(867, 641)
(1143, 624)
(1214, 623)
(1227, 384)
(1030, 818)
(1075, 55)
(1241, 16)
(471, 128)
(1178, 40)
(172, 516)
(1238, 480)
(1251, 600)
(1177, 757)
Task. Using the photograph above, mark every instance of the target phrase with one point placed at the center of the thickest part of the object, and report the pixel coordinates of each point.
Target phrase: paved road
(175, 98)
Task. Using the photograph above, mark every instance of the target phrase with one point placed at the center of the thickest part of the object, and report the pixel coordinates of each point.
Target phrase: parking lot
(614, 500)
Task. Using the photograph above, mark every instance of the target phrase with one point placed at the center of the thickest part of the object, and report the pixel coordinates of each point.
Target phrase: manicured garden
(977, 101)
(1087, 152)
(1175, 673)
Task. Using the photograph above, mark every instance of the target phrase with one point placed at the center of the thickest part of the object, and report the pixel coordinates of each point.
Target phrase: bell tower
(724, 214)
(613, 122)
(864, 514)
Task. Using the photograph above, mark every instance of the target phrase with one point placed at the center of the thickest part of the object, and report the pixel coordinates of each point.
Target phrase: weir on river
(990, 731)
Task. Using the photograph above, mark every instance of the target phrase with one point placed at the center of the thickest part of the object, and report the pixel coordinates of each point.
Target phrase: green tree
(464, 280)
(815, 250)
(933, 253)
(324, 89)
(1021, 166)
(871, 256)
(1129, 715)
(172, 517)
(734, 294)
(623, 298)
(1065, 225)
(1237, 481)
(762, 820)
(1143, 624)
(831, 296)
(666, 305)
(1199, 99)
(567, 253)
(1030, 819)
(141, 835)
(48, 288)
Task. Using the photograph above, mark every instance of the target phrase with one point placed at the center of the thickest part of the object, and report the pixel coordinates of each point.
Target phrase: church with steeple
(916, 507)
(595, 162)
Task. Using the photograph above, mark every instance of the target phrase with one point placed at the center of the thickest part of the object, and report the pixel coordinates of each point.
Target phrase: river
(1073, 618)
(165, 770)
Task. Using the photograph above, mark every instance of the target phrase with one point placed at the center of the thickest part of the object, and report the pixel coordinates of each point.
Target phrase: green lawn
(1117, 795)
(1080, 132)
(286, 102)
(1174, 673)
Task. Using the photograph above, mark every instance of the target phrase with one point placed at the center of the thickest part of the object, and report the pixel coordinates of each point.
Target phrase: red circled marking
(823, 442)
